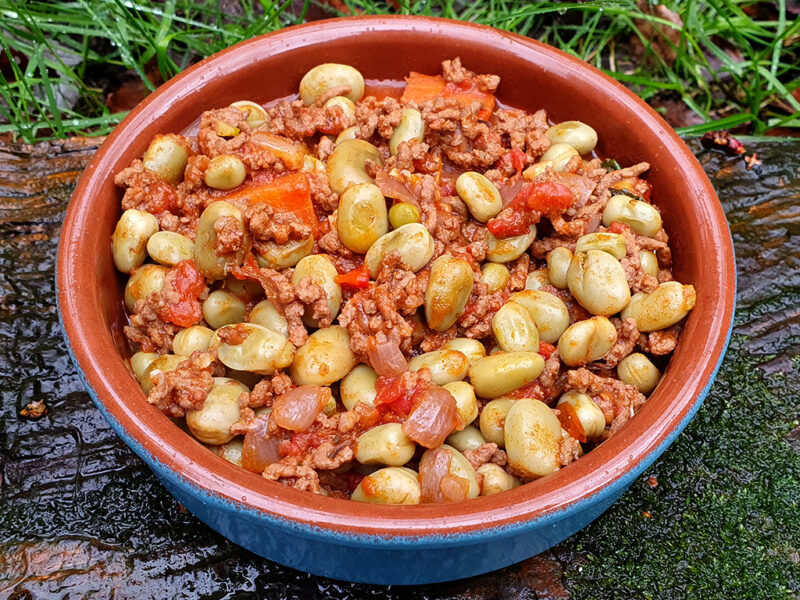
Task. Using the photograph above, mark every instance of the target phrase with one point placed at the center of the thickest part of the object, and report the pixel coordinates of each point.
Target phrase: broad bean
(493, 419)
(662, 308)
(385, 445)
(548, 312)
(589, 414)
(480, 195)
(212, 423)
(598, 282)
(169, 248)
(411, 127)
(559, 154)
(449, 288)
(445, 365)
(347, 164)
(192, 339)
(498, 374)
(514, 328)
(130, 237)
(325, 358)
(390, 485)
(636, 369)
(577, 134)
(495, 479)
(144, 281)
(223, 308)
(586, 341)
(362, 217)
(532, 434)
(503, 250)
(320, 269)
(558, 260)
(359, 386)
(329, 76)
(166, 157)
(262, 350)
(642, 217)
(208, 262)
(413, 241)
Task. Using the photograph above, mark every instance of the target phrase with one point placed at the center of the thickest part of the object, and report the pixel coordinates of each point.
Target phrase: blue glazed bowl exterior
(398, 561)
(347, 540)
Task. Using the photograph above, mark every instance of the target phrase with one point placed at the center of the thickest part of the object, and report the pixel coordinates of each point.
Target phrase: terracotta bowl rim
(605, 471)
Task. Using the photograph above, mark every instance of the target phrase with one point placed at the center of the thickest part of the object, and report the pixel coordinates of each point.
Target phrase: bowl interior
(533, 76)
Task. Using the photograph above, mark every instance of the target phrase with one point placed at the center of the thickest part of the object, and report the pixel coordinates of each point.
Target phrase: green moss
(725, 520)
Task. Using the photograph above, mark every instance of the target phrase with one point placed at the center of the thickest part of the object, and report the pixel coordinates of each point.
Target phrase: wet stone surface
(716, 517)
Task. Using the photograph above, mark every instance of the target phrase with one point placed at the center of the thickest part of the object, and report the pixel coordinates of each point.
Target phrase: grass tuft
(710, 65)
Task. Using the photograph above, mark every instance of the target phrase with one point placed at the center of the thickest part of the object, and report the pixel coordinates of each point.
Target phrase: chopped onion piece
(437, 484)
(297, 409)
(259, 450)
(433, 418)
(392, 188)
(386, 357)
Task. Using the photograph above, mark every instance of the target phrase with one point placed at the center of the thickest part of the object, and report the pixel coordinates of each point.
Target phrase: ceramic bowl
(392, 544)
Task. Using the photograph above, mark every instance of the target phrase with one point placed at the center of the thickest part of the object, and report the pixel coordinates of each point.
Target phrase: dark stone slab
(716, 517)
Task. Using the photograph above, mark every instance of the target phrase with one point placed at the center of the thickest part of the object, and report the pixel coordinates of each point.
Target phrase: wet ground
(718, 516)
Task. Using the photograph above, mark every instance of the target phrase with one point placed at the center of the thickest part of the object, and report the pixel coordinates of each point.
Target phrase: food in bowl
(395, 300)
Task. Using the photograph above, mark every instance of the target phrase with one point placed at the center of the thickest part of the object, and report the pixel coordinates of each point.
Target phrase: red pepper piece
(357, 278)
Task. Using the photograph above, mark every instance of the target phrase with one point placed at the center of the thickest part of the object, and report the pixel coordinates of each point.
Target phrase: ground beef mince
(147, 329)
(399, 333)
(296, 121)
(481, 455)
(659, 343)
(618, 400)
(370, 312)
(627, 337)
(314, 297)
(185, 388)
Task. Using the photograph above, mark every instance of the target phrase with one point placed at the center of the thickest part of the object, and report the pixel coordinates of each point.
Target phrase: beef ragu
(414, 297)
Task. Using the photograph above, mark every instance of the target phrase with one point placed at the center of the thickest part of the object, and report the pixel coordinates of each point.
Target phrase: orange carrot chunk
(421, 88)
(290, 193)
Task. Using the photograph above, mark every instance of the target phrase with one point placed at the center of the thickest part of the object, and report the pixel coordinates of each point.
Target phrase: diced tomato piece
(249, 269)
(514, 157)
(290, 193)
(548, 198)
(187, 284)
(528, 206)
(617, 227)
(421, 88)
(546, 350)
(299, 443)
(394, 396)
(160, 197)
(569, 420)
(357, 278)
